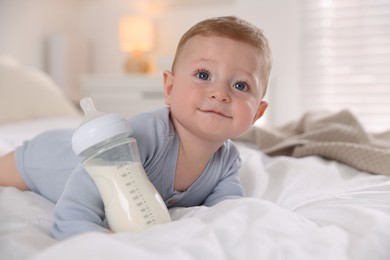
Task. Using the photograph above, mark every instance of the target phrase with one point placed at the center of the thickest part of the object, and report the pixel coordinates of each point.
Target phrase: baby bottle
(111, 158)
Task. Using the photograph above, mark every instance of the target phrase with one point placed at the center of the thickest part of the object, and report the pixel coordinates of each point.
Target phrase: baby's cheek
(244, 126)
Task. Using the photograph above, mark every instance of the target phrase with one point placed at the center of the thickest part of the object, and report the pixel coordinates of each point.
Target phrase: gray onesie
(50, 168)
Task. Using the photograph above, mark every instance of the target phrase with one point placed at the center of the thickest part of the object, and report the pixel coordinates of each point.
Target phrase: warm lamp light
(136, 37)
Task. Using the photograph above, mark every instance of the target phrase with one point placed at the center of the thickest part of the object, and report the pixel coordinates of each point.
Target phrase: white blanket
(307, 208)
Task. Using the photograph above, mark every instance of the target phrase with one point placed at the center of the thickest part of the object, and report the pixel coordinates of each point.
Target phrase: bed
(302, 201)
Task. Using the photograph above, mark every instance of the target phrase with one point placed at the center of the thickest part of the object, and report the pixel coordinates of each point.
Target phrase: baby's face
(215, 90)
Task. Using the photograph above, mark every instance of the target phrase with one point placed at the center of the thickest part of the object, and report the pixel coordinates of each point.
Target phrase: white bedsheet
(13, 134)
(300, 209)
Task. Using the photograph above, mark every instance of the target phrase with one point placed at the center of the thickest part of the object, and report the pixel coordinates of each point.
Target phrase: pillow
(27, 93)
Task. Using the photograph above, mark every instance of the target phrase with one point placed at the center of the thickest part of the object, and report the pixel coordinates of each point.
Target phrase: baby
(213, 93)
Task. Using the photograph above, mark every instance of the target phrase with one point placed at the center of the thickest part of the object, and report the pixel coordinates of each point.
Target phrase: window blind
(346, 58)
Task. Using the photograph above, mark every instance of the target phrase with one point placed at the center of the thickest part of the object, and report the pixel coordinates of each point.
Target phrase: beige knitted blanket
(335, 136)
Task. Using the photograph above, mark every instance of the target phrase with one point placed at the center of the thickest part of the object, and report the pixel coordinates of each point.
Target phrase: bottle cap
(96, 127)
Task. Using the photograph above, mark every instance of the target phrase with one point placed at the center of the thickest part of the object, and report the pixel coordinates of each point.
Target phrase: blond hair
(236, 29)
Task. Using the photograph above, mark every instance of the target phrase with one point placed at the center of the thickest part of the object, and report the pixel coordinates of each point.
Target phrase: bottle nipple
(89, 109)
(96, 127)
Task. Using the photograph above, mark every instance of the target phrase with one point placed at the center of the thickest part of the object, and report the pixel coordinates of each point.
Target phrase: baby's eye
(242, 86)
(204, 75)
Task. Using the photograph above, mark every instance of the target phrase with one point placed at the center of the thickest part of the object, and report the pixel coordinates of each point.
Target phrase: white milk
(131, 201)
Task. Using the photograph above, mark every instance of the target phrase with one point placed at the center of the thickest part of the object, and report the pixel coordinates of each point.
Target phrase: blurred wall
(26, 25)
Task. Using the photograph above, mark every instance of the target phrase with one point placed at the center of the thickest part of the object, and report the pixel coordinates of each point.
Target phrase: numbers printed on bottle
(137, 195)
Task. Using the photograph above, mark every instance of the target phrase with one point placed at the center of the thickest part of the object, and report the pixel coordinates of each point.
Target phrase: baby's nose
(219, 93)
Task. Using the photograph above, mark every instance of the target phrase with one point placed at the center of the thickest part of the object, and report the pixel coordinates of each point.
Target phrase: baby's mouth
(215, 112)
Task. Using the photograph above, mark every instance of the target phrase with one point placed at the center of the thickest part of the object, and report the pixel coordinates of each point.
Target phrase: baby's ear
(260, 111)
(168, 85)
